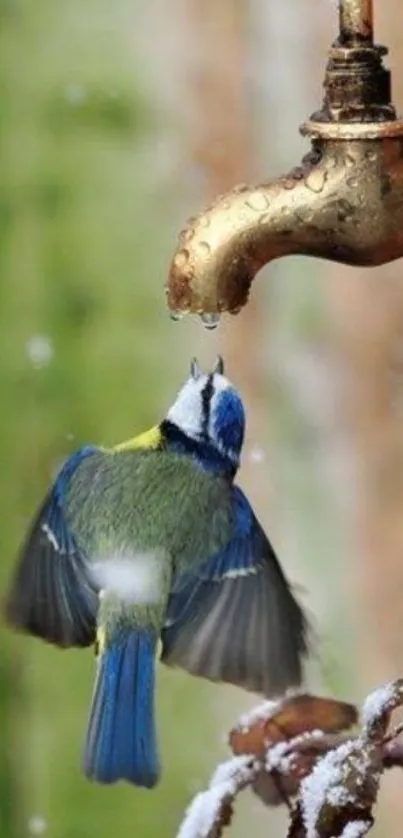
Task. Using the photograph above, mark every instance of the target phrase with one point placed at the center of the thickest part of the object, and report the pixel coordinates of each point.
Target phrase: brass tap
(343, 203)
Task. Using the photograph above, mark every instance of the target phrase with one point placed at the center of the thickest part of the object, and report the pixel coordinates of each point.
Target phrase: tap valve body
(357, 85)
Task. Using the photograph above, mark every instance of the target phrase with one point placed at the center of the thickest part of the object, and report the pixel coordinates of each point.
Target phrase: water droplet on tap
(210, 320)
(176, 314)
(181, 258)
(204, 249)
(187, 235)
(316, 179)
(257, 201)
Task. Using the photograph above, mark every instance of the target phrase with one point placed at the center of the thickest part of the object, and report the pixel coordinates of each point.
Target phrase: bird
(150, 549)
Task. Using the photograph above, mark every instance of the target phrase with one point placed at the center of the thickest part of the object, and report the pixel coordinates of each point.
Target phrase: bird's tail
(121, 738)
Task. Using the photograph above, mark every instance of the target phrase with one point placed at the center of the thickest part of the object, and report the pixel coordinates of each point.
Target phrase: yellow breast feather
(148, 440)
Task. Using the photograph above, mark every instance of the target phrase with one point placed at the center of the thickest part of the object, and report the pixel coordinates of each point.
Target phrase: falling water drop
(37, 825)
(40, 351)
(176, 314)
(75, 94)
(257, 454)
(210, 320)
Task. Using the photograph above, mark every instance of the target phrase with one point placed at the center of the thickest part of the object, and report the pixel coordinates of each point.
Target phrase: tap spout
(343, 203)
(220, 251)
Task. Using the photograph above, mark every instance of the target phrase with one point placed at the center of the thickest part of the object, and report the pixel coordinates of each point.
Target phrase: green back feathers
(132, 498)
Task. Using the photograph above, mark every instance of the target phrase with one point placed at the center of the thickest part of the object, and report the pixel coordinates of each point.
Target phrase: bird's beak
(195, 370)
(219, 365)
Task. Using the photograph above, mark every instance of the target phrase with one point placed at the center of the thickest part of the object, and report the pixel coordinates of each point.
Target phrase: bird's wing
(235, 618)
(51, 595)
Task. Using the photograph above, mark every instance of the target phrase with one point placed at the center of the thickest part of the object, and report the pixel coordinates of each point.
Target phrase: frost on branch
(379, 707)
(274, 747)
(338, 796)
(306, 749)
(339, 792)
(288, 738)
(211, 810)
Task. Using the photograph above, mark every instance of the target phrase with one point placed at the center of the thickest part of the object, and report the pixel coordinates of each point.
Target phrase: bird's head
(208, 409)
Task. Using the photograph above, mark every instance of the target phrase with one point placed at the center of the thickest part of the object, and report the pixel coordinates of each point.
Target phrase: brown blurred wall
(364, 308)
(222, 148)
(366, 313)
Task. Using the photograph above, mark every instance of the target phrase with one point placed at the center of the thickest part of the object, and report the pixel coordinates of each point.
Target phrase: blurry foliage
(114, 113)
(83, 242)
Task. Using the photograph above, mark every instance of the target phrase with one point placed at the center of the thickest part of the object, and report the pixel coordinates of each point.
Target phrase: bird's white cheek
(186, 412)
(186, 417)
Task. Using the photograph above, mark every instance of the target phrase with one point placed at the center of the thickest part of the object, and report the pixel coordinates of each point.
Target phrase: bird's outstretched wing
(51, 595)
(235, 618)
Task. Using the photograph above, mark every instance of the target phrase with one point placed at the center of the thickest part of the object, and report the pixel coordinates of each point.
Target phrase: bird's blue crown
(208, 412)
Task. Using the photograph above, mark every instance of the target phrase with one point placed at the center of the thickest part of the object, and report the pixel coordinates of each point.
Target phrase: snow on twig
(211, 810)
(307, 748)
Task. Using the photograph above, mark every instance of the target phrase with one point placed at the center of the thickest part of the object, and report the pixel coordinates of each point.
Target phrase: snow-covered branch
(319, 756)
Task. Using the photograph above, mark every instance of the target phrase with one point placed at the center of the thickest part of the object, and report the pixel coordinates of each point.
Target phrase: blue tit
(152, 544)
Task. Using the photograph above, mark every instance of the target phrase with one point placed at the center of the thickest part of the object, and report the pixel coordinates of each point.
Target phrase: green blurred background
(105, 149)
(84, 339)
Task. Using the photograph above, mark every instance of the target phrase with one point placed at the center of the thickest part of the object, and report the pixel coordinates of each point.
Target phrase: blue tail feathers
(121, 738)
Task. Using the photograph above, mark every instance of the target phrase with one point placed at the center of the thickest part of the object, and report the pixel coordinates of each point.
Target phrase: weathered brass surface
(356, 18)
(343, 203)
